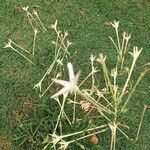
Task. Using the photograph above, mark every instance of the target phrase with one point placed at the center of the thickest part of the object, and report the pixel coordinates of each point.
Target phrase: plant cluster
(103, 95)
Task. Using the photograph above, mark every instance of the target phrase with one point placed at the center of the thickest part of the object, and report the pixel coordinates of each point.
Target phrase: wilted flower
(94, 139)
(38, 86)
(115, 24)
(35, 13)
(59, 61)
(101, 58)
(92, 58)
(126, 36)
(94, 70)
(54, 26)
(25, 8)
(55, 138)
(64, 144)
(99, 94)
(35, 31)
(114, 73)
(68, 43)
(66, 34)
(53, 42)
(8, 45)
(85, 105)
(136, 52)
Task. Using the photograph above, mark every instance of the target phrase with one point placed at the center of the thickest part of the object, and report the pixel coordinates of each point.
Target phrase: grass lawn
(87, 22)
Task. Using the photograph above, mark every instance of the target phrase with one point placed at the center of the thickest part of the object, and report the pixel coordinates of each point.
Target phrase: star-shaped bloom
(69, 86)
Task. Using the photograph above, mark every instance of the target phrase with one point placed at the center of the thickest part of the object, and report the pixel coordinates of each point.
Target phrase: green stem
(128, 79)
(133, 89)
(99, 108)
(21, 55)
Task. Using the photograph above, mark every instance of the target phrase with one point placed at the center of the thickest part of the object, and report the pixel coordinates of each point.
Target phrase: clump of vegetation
(87, 107)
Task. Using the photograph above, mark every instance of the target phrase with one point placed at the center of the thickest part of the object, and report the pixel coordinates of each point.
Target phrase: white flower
(99, 94)
(101, 58)
(59, 61)
(54, 26)
(69, 43)
(35, 31)
(69, 86)
(114, 73)
(53, 42)
(115, 24)
(94, 70)
(55, 138)
(66, 34)
(136, 52)
(25, 8)
(126, 36)
(92, 58)
(64, 144)
(35, 13)
(8, 45)
(38, 86)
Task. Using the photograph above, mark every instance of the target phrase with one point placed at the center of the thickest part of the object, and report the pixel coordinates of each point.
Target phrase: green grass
(86, 22)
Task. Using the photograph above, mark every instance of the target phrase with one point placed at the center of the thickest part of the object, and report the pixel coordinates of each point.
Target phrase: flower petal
(61, 82)
(70, 70)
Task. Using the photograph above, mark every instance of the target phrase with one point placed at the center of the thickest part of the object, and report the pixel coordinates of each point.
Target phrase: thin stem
(46, 89)
(85, 79)
(60, 114)
(118, 40)
(99, 108)
(103, 130)
(128, 79)
(140, 124)
(33, 49)
(20, 47)
(79, 132)
(21, 55)
(34, 20)
(74, 109)
(108, 79)
(124, 53)
(28, 15)
(40, 22)
(114, 44)
(133, 89)
(113, 127)
(62, 40)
